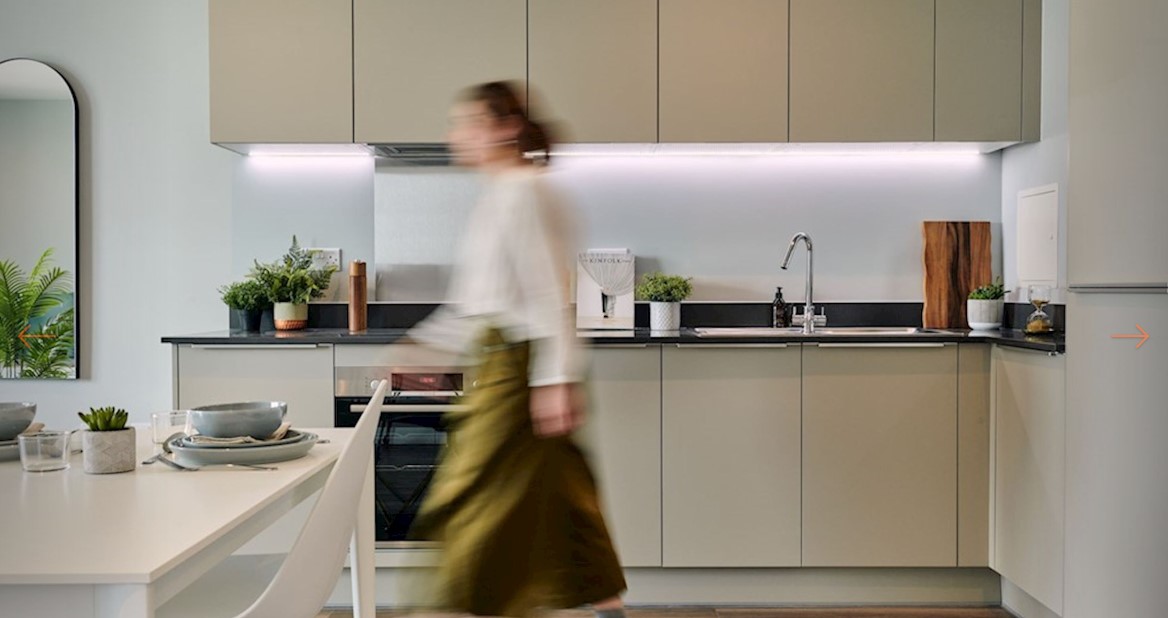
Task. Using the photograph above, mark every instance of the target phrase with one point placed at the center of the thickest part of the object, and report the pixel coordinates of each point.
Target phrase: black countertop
(1054, 344)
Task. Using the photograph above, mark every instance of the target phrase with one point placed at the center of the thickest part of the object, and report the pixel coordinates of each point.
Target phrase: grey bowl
(15, 417)
(257, 419)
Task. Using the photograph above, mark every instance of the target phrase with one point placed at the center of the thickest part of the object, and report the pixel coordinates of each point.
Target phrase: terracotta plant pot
(108, 452)
(664, 316)
(289, 316)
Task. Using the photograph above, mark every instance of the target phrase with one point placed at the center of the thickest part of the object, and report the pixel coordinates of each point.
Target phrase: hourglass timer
(1039, 321)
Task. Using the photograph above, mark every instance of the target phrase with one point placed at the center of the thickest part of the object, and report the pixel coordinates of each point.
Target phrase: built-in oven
(409, 439)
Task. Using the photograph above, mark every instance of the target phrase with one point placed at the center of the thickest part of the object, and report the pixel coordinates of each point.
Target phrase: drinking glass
(44, 451)
(165, 424)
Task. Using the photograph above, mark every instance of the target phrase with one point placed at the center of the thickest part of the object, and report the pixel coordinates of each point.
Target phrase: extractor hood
(416, 154)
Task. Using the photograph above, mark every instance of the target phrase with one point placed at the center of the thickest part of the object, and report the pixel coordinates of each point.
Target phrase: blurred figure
(514, 502)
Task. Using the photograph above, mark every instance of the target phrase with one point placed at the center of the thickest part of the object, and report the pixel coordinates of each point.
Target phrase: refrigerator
(1117, 267)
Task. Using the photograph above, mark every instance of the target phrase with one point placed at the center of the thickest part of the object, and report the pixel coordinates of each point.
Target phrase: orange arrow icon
(24, 336)
(1143, 336)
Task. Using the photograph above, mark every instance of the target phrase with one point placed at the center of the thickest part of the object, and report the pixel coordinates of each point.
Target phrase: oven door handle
(413, 408)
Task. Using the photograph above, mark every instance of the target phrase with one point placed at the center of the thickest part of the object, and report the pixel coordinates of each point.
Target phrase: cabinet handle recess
(883, 345)
(255, 346)
(732, 346)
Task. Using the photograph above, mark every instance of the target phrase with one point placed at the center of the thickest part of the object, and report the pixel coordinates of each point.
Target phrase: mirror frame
(76, 265)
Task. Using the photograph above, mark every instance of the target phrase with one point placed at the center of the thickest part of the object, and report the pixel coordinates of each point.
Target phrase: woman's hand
(556, 410)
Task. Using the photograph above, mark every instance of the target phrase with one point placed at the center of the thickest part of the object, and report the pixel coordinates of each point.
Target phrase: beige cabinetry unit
(973, 455)
(979, 70)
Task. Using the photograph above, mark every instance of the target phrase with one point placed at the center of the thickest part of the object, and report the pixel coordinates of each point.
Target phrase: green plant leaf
(660, 288)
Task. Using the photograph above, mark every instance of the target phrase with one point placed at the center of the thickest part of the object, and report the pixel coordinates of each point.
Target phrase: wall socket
(323, 258)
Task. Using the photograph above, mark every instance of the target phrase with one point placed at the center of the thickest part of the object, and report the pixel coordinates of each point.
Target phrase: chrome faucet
(809, 316)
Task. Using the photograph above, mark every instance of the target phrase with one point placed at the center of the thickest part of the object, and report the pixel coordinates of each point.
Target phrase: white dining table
(77, 545)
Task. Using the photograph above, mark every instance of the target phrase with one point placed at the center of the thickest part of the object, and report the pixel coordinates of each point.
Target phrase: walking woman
(514, 502)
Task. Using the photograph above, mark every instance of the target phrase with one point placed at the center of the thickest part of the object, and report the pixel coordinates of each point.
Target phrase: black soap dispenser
(779, 316)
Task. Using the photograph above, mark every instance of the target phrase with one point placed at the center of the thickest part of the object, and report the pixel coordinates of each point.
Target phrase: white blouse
(513, 272)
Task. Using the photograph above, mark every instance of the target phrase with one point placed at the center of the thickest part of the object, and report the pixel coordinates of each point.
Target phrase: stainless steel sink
(857, 331)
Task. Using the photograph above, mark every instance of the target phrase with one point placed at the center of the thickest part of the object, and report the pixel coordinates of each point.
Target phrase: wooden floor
(712, 612)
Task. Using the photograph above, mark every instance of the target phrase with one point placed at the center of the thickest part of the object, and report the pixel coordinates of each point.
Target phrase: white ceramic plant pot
(664, 316)
(289, 316)
(984, 314)
(107, 452)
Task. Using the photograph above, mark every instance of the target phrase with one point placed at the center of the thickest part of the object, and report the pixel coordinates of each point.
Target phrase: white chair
(306, 577)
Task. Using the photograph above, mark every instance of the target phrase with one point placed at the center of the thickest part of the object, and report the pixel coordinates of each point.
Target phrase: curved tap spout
(808, 306)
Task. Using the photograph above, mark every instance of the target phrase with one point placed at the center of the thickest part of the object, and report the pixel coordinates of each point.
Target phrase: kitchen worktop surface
(1013, 338)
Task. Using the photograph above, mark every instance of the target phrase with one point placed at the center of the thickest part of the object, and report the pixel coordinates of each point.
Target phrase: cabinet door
(281, 71)
(879, 456)
(302, 376)
(594, 65)
(1029, 455)
(723, 70)
(730, 457)
(973, 455)
(623, 437)
(861, 70)
(979, 70)
(411, 58)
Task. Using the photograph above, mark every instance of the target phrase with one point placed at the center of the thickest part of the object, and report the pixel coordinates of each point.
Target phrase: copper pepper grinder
(358, 298)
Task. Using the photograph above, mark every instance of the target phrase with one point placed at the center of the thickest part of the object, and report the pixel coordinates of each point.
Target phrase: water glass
(44, 451)
(165, 424)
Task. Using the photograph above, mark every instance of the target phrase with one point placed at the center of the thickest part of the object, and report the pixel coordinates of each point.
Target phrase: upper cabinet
(979, 70)
(862, 70)
(412, 57)
(281, 71)
(594, 65)
(723, 71)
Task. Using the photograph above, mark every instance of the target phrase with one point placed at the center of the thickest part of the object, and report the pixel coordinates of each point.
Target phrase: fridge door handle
(1119, 288)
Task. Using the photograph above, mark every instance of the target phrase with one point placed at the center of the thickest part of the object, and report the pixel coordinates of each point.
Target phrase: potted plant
(983, 309)
(247, 299)
(289, 283)
(108, 445)
(664, 293)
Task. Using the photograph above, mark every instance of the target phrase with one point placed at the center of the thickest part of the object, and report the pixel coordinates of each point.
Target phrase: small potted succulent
(664, 293)
(108, 446)
(983, 309)
(289, 283)
(247, 300)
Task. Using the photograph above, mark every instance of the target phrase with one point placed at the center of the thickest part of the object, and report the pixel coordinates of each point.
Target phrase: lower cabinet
(301, 375)
(623, 437)
(730, 456)
(1029, 433)
(880, 455)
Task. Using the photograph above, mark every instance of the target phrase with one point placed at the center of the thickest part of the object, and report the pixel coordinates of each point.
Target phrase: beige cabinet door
(623, 437)
(879, 456)
(300, 375)
(723, 71)
(1029, 462)
(281, 71)
(979, 70)
(412, 58)
(730, 456)
(593, 68)
(861, 70)
(973, 455)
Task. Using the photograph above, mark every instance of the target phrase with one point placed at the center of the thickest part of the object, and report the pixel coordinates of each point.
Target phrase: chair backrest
(307, 578)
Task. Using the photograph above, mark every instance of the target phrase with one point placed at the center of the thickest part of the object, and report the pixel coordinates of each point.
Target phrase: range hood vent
(434, 155)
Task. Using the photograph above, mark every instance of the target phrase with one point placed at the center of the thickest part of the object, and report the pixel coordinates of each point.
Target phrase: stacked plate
(9, 450)
(189, 451)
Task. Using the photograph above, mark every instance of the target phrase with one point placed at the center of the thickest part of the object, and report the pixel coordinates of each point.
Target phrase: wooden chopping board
(957, 259)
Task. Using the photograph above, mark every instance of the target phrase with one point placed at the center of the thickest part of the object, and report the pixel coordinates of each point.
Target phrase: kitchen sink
(857, 331)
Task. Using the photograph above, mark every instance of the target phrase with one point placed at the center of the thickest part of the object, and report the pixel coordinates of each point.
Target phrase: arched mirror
(38, 222)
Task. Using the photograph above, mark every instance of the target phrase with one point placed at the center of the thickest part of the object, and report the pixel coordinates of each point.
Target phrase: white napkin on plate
(276, 435)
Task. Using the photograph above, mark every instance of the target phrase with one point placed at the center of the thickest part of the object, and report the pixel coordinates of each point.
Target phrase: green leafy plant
(989, 291)
(660, 288)
(292, 279)
(246, 295)
(105, 419)
(27, 299)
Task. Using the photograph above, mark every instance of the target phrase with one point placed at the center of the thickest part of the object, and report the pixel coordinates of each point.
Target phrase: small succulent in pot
(109, 445)
(664, 293)
(247, 299)
(985, 306)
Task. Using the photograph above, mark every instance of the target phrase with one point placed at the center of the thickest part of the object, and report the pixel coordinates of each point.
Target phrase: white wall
(155, 196)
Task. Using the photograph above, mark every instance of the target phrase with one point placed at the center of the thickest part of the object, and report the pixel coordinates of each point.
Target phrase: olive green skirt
(518, 516)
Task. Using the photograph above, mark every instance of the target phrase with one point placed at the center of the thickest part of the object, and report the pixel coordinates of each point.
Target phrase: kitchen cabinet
(973, 455)
(623, 438)
(592, 68)
(730, 456)
(879, 455)
(281, 71)
(1029, 433)
(723, 71)
(411, 58)
(300, 375)
(861, 70)
(979, 70)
